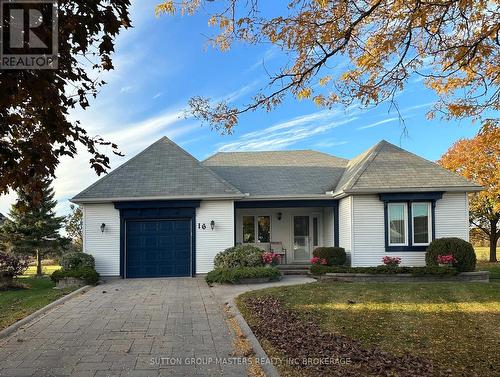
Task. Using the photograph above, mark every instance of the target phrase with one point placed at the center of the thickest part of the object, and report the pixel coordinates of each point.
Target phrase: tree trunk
(493, 241)
(38, 263)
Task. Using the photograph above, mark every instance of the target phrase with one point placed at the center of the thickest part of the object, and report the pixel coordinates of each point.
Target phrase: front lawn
(46, 269)
(482, 253)
(19, 303)
(493, 268)
(450, 328)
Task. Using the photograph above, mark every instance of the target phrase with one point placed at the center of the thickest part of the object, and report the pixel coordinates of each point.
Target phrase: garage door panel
(158, 248)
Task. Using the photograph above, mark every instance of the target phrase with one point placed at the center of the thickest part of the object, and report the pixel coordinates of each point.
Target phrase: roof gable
(162, 171)
(386, 167)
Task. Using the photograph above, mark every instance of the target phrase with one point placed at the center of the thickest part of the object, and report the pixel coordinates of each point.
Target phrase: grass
(46, 270)
(454, 325)
(493, 268)
(482, 253)
(16, 304)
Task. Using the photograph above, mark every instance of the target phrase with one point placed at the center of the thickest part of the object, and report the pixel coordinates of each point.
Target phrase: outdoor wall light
(279, 216)
(212, 224)
(102, 227)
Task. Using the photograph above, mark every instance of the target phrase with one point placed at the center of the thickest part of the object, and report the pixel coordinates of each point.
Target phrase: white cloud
(330, 143)
(371, 125)
(268, 55)
(284, 134)
(126, 89)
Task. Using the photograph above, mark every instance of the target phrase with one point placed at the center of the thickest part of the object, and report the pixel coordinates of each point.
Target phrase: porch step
(294, 269)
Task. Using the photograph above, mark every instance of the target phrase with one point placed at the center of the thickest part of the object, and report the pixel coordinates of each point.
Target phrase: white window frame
(429, 224)
(405, 218)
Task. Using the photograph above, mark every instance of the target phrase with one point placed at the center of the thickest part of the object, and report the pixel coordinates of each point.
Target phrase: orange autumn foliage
(361, 51)
(478, 159)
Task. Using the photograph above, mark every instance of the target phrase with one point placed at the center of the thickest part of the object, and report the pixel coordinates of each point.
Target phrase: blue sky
(162, 62)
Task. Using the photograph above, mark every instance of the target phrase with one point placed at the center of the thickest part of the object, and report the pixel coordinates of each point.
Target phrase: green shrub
(335, 256)
(383, 269)
(233, 275)
(461, 250)
(88, 274)
(71, 261)
(12, 266)
(239, 256)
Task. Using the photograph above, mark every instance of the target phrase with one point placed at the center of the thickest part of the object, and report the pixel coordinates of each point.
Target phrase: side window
(398, 224)
(421, 223)
(248, 229)
(264, 227)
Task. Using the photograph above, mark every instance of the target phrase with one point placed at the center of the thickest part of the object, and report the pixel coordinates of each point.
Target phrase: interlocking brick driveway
(117, 333)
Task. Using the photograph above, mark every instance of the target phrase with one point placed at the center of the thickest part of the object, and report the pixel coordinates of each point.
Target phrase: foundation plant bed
(396, 274)
(385, 329)
(243, 275)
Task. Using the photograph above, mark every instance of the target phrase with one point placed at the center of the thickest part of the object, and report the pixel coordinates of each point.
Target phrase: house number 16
(202, 226)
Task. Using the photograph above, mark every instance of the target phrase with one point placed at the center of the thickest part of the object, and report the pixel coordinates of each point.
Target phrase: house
(164, 213)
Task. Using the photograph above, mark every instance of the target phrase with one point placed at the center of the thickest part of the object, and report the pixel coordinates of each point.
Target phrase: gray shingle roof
(279, 173)
(386, 167)
(275, 158)
(163, 170)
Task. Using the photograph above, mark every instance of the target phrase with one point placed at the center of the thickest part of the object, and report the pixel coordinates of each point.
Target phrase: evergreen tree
(33, 229)
(73, 224)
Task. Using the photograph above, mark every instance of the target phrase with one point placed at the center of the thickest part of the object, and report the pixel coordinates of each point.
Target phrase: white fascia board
(143, 198)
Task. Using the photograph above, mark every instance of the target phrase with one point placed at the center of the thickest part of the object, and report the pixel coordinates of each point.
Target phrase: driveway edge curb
(33, 316)
(269, 369)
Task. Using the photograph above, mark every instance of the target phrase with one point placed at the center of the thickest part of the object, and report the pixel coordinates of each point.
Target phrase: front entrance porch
(299, 225)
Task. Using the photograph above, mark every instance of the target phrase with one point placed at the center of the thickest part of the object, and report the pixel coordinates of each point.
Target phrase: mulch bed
(298, 340)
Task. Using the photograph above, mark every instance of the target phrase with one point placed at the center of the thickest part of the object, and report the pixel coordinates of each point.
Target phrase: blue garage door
(158, 248)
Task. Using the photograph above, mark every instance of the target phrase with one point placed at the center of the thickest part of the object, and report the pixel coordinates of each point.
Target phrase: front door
(306, 236)
(301, 239)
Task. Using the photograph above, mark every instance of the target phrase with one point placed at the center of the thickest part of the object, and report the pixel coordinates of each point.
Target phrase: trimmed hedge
(335, 256)
(72, 261)
(88, 274)
(461, 250)
(239, 256)
(415, 271)
(233, 275)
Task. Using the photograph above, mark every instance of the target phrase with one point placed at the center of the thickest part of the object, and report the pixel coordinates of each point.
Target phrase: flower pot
(444, 265)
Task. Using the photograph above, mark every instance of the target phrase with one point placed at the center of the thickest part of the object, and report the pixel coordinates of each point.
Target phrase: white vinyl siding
(345, 225)
(210, 242)
(103, 246)
(328, 226)
(452, 216)
(369, 235)
(451, 220)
